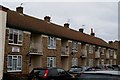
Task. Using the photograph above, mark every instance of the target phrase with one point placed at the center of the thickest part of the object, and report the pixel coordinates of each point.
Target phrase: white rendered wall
(3, 16)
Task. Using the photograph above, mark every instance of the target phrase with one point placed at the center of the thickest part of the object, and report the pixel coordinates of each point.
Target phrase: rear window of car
(41, 72)
(75, 69)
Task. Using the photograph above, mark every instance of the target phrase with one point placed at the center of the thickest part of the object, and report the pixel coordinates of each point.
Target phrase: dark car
(116, 67)
(99, 75)
(94, 69)
(75, 70)
(49, 74)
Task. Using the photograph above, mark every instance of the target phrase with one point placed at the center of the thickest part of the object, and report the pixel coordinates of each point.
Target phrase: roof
(35, 25)
(3, 8)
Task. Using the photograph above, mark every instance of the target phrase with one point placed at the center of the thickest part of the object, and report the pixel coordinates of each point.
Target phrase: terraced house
(31, 42)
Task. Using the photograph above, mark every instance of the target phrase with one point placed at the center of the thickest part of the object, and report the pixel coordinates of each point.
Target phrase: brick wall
(51, 52)
(24, 50)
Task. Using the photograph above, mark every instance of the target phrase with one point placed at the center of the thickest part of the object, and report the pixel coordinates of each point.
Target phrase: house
(31, 42)
(116, 44)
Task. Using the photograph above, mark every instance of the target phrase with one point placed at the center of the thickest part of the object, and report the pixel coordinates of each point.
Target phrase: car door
(63, 75)
(53, 74)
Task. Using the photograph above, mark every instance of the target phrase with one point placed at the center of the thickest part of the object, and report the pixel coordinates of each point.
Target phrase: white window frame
(74, 46)
(51, 42)
(18, 33)
(10, 63)
(90, 62)
(49, 59)
(74, 61)
(103, 51)
(102, 62)
(111, 52)
(90, 49)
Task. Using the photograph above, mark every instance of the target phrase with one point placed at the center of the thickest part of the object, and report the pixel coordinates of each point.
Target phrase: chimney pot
(81, 30)
(110, 42)
(47, 18)
(19, 9)
(66, 25)
(92, 33)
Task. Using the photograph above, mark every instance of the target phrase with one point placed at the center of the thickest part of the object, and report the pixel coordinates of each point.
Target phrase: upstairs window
(51, 42)
(102, 51)
(91, 49)
(15, 36)
(111, 52)
(74, 46)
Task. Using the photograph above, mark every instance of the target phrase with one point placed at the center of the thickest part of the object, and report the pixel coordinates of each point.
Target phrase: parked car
(75, 70)
(109, 68)
(106, 67)
(49, 74)
(94, 69)
(116, 67)
(99, 75)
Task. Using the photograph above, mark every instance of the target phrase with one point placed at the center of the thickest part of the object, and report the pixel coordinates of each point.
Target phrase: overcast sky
(101, 16)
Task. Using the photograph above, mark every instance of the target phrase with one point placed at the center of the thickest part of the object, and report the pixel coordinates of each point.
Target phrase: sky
(100, 15)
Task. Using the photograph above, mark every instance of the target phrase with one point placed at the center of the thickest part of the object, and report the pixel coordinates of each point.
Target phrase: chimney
(110, 42)
(47, 18)
(19, 9)
(66, 25)
(92, 33)
(81, 30)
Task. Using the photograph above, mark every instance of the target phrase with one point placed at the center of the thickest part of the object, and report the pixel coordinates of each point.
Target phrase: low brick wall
(7, 76)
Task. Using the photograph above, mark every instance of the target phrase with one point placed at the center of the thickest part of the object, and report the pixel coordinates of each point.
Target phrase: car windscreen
(75, 70)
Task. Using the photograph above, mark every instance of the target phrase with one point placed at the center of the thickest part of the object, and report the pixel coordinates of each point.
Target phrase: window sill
(15, 44)
(51, 48)
(14, 70)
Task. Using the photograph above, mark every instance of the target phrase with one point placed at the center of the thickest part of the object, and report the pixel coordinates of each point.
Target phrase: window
(90, 62)
(51, 61)
(14, 63)
(102, 61)
(111, 62)
(74, 45)
(90, 49)
(74, 61)
(15, 36)
(98, 62)
(102, 51)
(111, 52)
(51, 42)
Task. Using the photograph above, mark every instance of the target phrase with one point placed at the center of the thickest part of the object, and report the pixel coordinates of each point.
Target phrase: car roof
(47, 68)
(104, 72)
